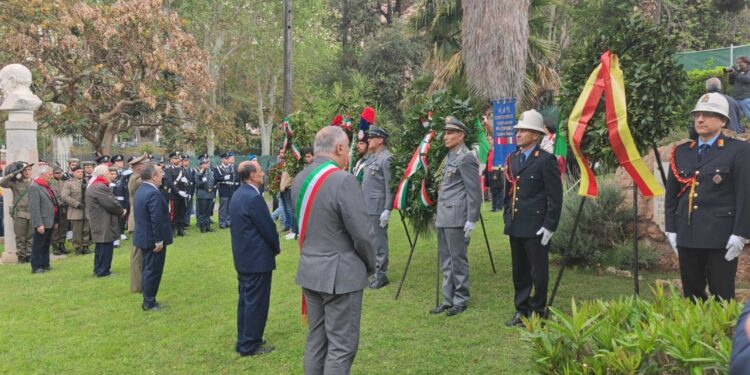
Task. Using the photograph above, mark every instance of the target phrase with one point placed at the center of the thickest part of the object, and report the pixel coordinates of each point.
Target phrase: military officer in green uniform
(376, 187)
(18, 179)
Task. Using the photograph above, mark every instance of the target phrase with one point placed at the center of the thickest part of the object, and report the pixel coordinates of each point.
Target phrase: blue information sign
(503, 135)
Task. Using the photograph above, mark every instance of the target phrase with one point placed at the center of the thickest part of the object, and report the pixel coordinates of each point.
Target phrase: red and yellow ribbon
(607, 79)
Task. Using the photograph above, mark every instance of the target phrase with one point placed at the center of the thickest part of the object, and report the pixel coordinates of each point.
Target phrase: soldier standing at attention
(459, 201)
(707, 205)
(226, 180)
(58, 237)
(376, 187)
(531, 211)
(204, 194)
(18, 179)
(72, 196)
(177, 177)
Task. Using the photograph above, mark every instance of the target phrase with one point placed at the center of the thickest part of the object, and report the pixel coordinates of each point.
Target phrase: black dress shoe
(39, 270)
(262, 350)
(378, 283)
(57, 253)
(515, 321)
(440, 309)
(455, 310)
(64, 250)
(156, 307)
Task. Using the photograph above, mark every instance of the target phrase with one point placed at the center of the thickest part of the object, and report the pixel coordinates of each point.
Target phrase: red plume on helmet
(366, 119)
(337, 121)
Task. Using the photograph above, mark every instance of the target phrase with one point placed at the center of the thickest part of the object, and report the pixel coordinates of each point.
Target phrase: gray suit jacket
(339, 249)
(460, 196)
(376, 184)
(41, 207)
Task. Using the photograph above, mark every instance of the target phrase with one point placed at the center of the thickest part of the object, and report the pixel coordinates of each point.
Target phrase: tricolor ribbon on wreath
(607, 79)
(286, 127)
(418, 160)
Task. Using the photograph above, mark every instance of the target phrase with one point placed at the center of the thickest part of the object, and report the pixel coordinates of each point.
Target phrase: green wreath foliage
(404, 141)
(654, 82)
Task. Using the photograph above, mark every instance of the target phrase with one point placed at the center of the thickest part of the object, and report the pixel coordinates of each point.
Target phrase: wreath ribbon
(418, 160)
(607, 79)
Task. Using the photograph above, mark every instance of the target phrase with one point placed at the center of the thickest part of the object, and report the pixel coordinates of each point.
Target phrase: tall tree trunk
(107, 139)
(495, 62)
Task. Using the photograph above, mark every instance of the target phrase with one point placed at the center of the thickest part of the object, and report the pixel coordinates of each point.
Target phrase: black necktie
(702, 150)
(523, 158)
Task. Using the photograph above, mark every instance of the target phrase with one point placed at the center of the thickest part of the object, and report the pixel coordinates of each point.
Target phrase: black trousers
(188, 212)
(203, 211)
(497, 197)
(40, 249)
(254, 291)
(153, 267)
(530, 270)
(103, 258)
(179, 205)
(701, 266)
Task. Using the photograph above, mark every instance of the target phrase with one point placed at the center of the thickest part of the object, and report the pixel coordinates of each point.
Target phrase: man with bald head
(337, 254)
(255, 245)
(713, 84)
(15, 83)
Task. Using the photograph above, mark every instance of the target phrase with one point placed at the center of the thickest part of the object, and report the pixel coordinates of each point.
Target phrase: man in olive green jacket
(18, 179)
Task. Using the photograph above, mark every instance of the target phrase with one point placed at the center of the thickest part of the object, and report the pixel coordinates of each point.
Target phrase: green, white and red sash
(418, 160)
(307, 194)
(305, 200)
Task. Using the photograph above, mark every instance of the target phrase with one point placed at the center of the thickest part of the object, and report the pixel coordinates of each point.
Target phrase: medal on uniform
(717, 178)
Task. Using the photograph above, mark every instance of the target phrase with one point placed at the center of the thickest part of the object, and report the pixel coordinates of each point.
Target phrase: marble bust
(15, 83)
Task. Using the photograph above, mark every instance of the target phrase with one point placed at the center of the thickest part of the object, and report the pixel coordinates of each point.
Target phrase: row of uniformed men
(531, 212)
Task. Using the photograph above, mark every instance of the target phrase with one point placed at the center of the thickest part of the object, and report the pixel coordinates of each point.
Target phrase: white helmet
(712, 102)
(531, 120)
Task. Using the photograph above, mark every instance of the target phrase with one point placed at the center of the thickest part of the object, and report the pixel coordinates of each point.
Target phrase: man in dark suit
(739, 363)
(153, 232)
(178, 191)
(707, 207)
(531, 209)
(255, 243)
(338, 254)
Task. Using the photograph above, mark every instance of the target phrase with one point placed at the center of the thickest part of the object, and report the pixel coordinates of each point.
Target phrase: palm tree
(441, 22)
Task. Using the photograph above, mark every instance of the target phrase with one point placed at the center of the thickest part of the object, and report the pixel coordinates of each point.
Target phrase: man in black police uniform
(226, 179)
(190, 174)
(531, 209)
(120, 190)
(707, 206)
(179, 184)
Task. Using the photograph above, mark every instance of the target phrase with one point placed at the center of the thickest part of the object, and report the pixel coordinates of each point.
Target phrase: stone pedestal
(20, 136)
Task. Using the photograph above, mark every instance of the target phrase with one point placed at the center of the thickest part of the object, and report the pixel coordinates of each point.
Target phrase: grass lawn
(68, 322)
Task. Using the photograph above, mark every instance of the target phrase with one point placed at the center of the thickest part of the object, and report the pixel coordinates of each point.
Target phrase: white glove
(227, 178)
(735, 245)
(672, 237)
(205, 179)
(546, 235)
(18, 176)
(183, 179)
(468, 228)
(384, 218)
(183, 194)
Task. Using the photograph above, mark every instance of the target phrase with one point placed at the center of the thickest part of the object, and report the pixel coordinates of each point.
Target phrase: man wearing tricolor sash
(337, 254)
(459, 201)
(707, 206)
(531, 209)
(376, 187)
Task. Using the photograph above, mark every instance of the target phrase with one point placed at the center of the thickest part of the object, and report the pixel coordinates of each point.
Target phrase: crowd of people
(340, 217)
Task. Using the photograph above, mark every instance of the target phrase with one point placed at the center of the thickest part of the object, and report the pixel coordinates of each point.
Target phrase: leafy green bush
(696, 84)
(621, 256)
(601, 228)
(671, 335)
